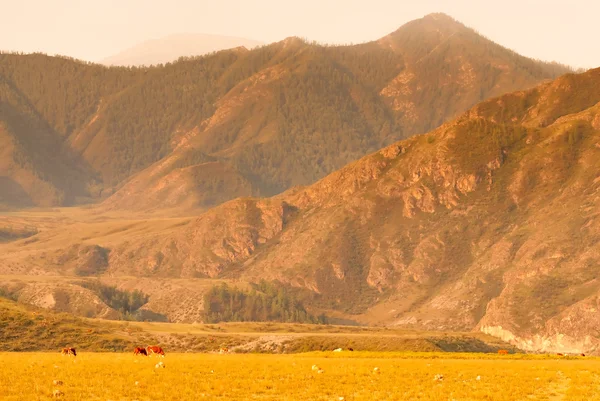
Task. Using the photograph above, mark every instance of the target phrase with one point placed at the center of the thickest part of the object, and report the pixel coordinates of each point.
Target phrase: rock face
(490, 222)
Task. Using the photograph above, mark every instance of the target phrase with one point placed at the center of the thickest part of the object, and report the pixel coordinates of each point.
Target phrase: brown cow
(502, 352)
(582, 354)
(140, 351)
(155, 349)
(69, 351)
(560, 354)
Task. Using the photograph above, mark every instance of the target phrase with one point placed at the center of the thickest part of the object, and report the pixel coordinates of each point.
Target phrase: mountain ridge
(265, 120)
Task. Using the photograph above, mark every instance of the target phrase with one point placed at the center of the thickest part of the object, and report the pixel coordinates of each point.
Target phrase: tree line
(263, 302)
(125, 302)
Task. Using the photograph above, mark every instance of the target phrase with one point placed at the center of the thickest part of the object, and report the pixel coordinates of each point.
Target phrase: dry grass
(98, 376)
(25, 329)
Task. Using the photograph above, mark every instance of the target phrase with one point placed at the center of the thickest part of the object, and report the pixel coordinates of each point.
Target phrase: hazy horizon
(545, 30)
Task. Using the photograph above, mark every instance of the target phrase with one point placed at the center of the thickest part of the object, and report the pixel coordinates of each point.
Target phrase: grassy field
(343, 376)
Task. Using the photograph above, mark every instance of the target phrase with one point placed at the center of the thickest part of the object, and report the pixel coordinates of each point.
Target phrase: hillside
(201, 131)
(28, 329)
(489, 223)
(170, 48)
(25, 329)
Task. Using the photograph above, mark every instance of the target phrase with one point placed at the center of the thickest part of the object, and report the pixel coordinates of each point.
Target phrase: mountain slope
(489, 222)
(172, 47)
(201, 131)
(474, 69)
(35, 167)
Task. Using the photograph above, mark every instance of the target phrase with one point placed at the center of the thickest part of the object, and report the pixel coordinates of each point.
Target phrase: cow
(69, 351)
(140, 351)
(337, 350)
(350, 349)
(223, 350)
(560, 354)
(155, 349)
(582, 354)
(502, 352)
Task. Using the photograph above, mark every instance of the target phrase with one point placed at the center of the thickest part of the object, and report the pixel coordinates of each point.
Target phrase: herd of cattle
(156, 350)
(149, 350)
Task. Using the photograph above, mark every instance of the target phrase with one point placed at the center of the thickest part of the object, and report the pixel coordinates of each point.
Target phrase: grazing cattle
(140, 351)
(223, 350)
(69, 351)
(155, 349)
(560, 354)
(502, 352)
(337, 350)
(582, 354)
(350, 349)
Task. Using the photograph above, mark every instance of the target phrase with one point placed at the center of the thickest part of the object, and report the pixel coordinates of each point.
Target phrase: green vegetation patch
(264, 302)
(128, 303)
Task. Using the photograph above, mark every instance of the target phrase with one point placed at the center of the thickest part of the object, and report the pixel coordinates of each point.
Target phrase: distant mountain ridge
(199, 132)
(170, 48)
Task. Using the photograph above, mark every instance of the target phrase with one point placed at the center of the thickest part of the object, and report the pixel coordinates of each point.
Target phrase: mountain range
(487, 222)
(196, 133)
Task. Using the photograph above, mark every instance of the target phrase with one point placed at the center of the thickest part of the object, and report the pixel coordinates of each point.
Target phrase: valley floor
(337, 376)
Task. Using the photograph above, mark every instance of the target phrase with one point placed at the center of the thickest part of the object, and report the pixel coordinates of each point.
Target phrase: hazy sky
(561, 30)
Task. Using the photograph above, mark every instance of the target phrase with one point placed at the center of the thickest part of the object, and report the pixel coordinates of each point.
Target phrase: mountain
(490, 222)
(170, 48)
(201, 131)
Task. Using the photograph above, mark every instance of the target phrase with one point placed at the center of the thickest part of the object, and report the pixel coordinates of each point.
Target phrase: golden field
(344, 376)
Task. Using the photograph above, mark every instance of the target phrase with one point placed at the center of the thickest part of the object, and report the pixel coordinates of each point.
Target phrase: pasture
(339, 377)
